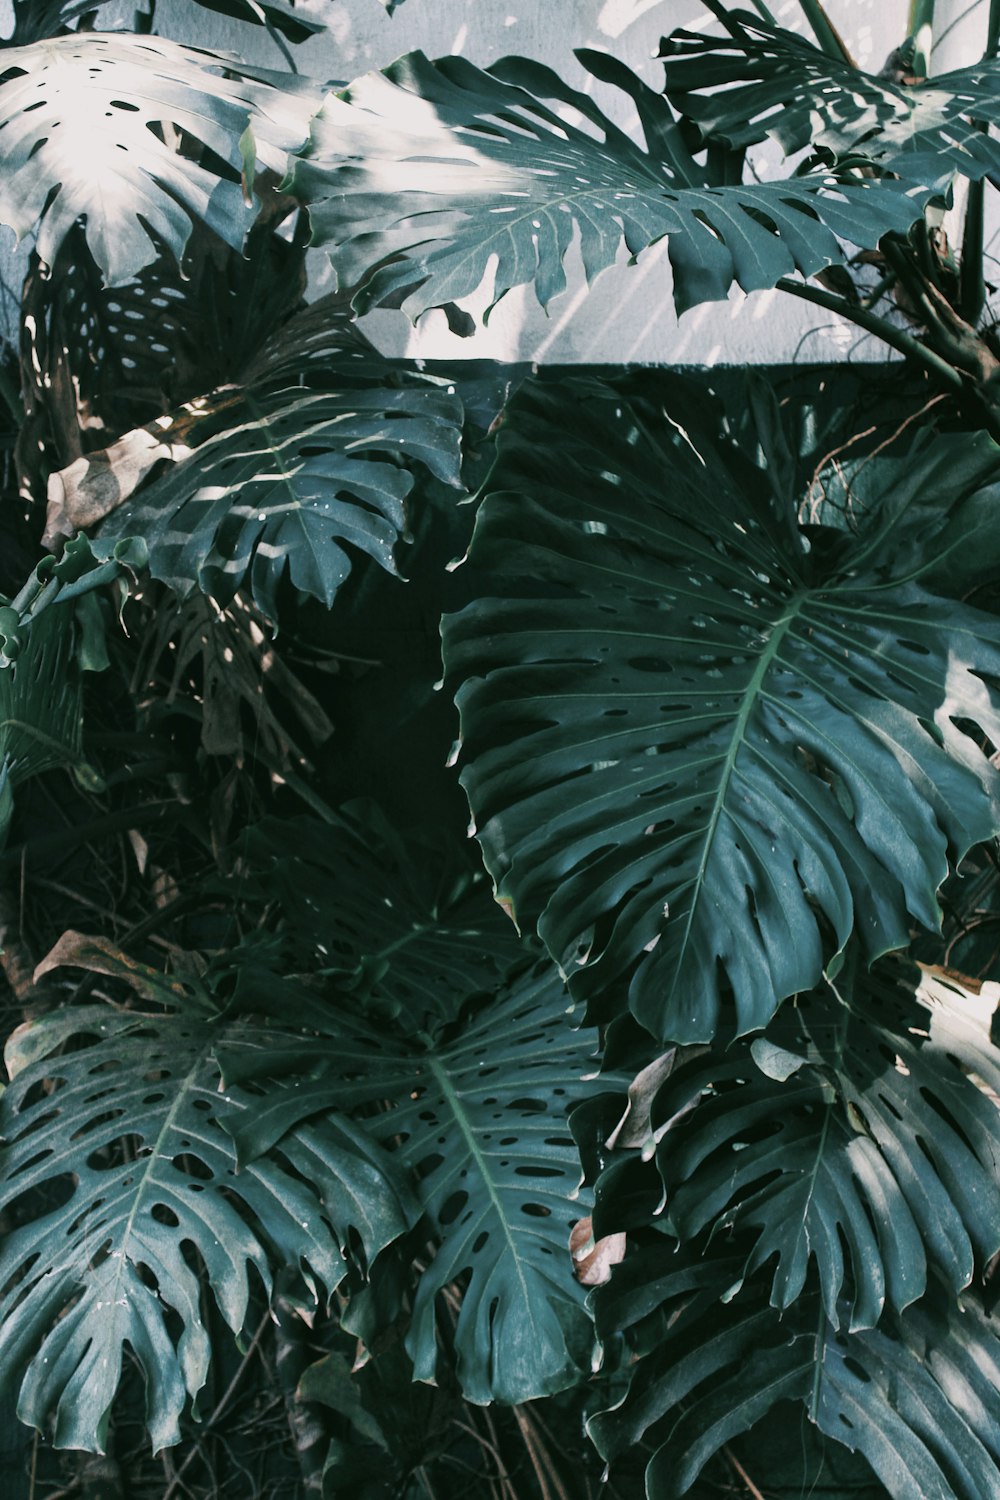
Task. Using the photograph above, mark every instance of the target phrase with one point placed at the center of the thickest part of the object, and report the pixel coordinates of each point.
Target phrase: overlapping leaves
(431, 1014)
(916, 1397)
(761, 80)
(82, 122)
(478, 1115)
(397, 923)
(52, 632)
(288, 476)
(44, 18)
(705, 743)
(432, 170)
(851, 1134)
(115, 1163)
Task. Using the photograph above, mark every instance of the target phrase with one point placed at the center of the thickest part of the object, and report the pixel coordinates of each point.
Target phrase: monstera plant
(349, 1147)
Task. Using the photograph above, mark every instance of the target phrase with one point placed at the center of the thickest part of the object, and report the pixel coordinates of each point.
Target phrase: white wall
(628, 314)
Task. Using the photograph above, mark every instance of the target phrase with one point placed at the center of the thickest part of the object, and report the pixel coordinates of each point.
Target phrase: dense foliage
(325, 1168)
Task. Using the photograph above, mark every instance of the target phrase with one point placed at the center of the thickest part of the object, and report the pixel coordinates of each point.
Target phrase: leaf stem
(992, 31)
(826, 34)
(904, 343)
(921, 28)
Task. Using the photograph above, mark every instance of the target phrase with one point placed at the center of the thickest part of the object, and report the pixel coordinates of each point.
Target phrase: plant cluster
(326, 1168)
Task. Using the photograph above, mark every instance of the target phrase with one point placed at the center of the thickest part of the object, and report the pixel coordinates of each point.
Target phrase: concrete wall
(628, 314)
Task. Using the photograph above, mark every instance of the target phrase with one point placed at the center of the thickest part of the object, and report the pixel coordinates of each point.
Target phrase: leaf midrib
(750, 698)
(467, 1131)
(147, 1174)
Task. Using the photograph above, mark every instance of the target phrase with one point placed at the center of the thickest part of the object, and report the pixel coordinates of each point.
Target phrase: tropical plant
(307, 1172)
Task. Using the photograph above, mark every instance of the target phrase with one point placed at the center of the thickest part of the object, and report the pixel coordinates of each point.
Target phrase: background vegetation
(655, 1126)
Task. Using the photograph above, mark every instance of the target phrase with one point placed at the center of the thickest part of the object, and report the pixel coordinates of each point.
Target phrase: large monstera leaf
(916, 1396)
(478, 1114)
(851, 1133)
(703, 742)
(432, 171)
(116, 1165)
(284, 475)
(85, 122)
(761, 80)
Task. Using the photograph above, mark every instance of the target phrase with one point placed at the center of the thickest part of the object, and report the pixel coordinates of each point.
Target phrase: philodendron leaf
(82, 120)
(704, 743)
(286, 476)
(124, 1133)
(916, 1396)
(761, 80)
(869, 1149)
(433, 171)
(478, 1115)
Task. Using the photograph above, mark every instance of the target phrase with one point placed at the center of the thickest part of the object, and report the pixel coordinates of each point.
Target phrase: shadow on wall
(627, 315)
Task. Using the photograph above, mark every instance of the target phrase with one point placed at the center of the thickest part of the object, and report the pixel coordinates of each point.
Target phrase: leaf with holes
(761, 80)
(704, 743)
(916, 1396)
(292, 477)
(422, 176)
(123, 1133)
(478, 1114)
(848, 1134)
(84, 121)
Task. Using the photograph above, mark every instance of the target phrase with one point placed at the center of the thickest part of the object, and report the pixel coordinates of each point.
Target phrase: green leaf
(478, 1115)
(41, 699)
(762, 80)
(704, 743)
(916, 1397)
(295, 24)
(421, 176)
(50, 634)
(43, 18)
(406, 931)
(286, 476)
(124, 1133)
(78, 116)
(877, 1155)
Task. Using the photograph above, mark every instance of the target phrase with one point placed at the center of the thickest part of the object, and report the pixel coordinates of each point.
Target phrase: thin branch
(221, 1404)
(541, 1459)
(896, 338)
(742, 1474)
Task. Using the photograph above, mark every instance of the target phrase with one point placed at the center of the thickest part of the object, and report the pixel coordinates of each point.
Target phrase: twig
(896, 338)
(221, 1404)
(742, 1474)
(541, 1459)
